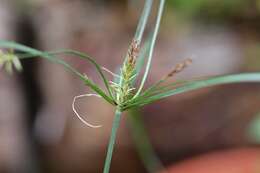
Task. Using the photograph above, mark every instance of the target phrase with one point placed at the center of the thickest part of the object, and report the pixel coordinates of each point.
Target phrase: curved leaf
(34, 52)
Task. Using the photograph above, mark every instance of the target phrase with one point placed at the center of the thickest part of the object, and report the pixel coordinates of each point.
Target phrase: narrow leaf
(228, 79)
(34, 52)
(77, 54)
(91, 60)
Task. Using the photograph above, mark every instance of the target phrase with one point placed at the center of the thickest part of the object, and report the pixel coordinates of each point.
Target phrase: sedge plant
(122, 93)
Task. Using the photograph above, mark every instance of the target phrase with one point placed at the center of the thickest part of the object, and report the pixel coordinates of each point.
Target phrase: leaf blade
(91, 60)
(227, 79)
(34, 52)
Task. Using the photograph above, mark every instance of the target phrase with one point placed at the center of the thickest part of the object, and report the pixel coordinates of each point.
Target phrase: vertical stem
(142, 142)
(151, 49)
(143, 20)
(112, 140)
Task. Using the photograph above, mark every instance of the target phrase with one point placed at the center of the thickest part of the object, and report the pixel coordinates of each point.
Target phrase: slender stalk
(143, 20)
(154, 36)
(142, 142)
(112, 140)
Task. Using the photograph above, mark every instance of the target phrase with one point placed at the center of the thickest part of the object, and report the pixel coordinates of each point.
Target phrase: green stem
(112, 140)
(142, 142)
(143, 20)
(151, 49)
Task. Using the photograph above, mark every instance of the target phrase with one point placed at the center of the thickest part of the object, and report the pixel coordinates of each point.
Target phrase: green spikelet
(124, 89)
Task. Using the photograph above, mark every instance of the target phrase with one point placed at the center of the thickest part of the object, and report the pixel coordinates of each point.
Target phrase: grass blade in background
(148, 156)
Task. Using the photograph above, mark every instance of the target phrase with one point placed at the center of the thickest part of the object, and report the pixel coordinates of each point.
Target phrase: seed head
(180, 67)
(133, 52)
(124, 90)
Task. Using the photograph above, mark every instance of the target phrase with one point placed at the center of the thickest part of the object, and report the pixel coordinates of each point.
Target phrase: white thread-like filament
(77, 114)
(110, 72)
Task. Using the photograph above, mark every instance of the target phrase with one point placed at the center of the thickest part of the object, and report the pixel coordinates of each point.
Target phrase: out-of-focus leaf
(254, 129)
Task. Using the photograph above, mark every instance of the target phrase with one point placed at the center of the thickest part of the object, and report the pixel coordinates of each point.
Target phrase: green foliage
(143, 145)
(32, 53)
(254, 129)
(217, 9)
(112, 140)
(189, 86)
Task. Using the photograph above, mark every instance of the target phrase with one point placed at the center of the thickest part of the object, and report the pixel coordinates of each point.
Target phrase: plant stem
(151, 49)
(143, 20)
(112, 140)
(142, 142)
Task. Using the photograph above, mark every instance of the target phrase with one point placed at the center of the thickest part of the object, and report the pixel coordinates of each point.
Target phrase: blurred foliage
(217, 9)
(252, 62)
(254, 129)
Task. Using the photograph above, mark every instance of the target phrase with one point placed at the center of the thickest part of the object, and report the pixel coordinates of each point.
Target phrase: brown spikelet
(180, 67)
(133, 52)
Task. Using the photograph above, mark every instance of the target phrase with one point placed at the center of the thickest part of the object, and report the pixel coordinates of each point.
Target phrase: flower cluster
(124, 89)
(8, 60)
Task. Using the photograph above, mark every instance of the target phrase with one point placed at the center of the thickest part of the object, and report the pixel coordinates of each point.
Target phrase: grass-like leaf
(158, 87)
(77, 54)
(91, 60)
(34, 53)
(227, 79)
